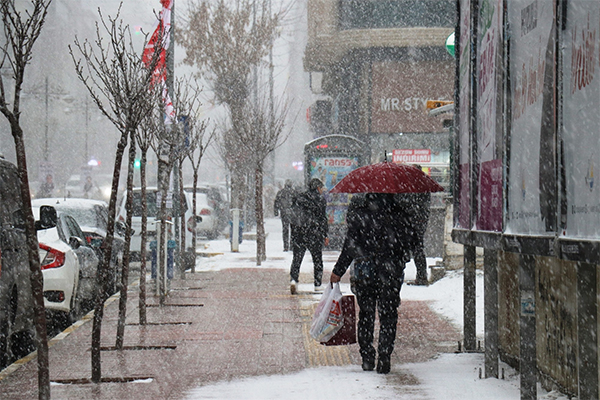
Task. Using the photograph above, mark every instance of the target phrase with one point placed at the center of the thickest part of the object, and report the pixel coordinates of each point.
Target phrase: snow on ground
(449, 376)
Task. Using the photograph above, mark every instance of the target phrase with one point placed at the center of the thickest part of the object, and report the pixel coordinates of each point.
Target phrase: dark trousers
(419, 254)
(380, 293)
(302, 241)
(285, 231)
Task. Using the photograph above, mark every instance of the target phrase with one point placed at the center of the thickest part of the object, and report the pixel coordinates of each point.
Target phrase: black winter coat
(312, 224)
(377, 228)
(283, 201)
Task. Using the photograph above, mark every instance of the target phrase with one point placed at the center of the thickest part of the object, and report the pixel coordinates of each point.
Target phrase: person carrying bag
(378, 240)
(328, 318)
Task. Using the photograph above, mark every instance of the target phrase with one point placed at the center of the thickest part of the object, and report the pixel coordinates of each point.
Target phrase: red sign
(411, 156)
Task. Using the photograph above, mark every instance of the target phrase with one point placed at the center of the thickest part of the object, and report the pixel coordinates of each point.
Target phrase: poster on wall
(331, 170)
(489, 123)
(581, 91)
(463, 217)
(532, 191)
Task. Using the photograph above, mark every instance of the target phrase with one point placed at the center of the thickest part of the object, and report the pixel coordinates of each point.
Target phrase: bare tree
(169, 145)
(186, 101)
(227, 41)
(262, 132)
(21, 30)
(114, 72)
(199, 142)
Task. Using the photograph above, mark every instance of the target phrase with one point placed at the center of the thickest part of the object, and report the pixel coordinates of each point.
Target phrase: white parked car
(68, 264)
(207, 224)
(211, 206)
(136, 219)
(92, 217)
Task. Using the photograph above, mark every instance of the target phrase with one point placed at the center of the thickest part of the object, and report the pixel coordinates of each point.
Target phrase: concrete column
(528, 359)
(490, 268)
(469, 299)
(587, 331)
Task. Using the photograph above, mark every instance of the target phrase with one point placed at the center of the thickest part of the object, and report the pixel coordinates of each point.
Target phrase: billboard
(463, 209)
(489, 112)
(531, 191)
(581, 143)
(330, 170)
(400, 91)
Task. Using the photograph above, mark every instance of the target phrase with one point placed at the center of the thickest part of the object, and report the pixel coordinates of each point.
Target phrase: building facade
(375, 64)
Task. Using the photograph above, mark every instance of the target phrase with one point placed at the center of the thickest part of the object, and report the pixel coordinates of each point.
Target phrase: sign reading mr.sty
(400, 91)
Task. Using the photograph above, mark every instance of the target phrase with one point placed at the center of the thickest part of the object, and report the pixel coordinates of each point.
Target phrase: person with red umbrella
(379, 239)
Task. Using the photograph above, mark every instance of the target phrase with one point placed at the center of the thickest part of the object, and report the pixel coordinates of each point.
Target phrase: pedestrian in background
(46, 188)
(309, 231)
(419, 217)
(378, 240)
(282, 207)
(417, 206)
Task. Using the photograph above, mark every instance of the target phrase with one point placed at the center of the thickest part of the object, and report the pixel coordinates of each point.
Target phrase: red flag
(162, 36)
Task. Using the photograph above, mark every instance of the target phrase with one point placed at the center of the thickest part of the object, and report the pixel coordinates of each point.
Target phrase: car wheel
(4, 353)
(6, 356)
(22, 343)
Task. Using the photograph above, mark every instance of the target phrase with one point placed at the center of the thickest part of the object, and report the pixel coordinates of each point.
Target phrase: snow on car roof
(71, 202)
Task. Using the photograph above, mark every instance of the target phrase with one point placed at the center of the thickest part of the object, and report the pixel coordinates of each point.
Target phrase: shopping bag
(347, 333)
(328, 318)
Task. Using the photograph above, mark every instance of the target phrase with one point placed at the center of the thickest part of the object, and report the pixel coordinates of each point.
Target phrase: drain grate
(113, 348)
(175, 305)
(158, 323)
(119, 379)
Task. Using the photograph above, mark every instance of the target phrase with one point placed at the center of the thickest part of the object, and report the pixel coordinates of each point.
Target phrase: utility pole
(47, 148)
(163, 169)
(271, 99)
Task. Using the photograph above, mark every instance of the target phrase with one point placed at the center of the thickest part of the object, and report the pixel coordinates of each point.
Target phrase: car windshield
(83, 216)
(201, 200)
(151, 200)
(151, 204)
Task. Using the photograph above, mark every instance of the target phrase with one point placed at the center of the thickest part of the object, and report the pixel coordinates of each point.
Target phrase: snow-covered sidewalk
(449, 376)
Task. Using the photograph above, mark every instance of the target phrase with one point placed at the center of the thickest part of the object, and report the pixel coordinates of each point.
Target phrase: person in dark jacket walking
(283, 207)
(417, 205)
(378, 240)
(309, 231)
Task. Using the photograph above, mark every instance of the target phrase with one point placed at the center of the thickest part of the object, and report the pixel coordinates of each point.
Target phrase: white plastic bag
(328, 318)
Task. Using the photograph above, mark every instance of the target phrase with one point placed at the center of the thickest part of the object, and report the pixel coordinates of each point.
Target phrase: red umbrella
(387, 177)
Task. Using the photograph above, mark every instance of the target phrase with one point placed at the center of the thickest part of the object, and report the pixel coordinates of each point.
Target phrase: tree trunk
(164, 171)
(126, 252)
(101, 276)
(36, 277)
(261, 251)
(144, 234)
(194, 209)
(182, 221)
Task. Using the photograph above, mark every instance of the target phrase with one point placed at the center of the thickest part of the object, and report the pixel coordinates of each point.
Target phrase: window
(378, 14)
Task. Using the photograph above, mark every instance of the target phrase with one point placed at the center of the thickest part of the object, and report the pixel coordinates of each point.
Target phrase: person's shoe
(368, 365)
(293, 286)
(421, 282)
(383, 365)
(319, 288)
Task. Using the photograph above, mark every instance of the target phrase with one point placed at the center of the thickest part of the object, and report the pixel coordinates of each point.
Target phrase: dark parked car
(16, 311)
